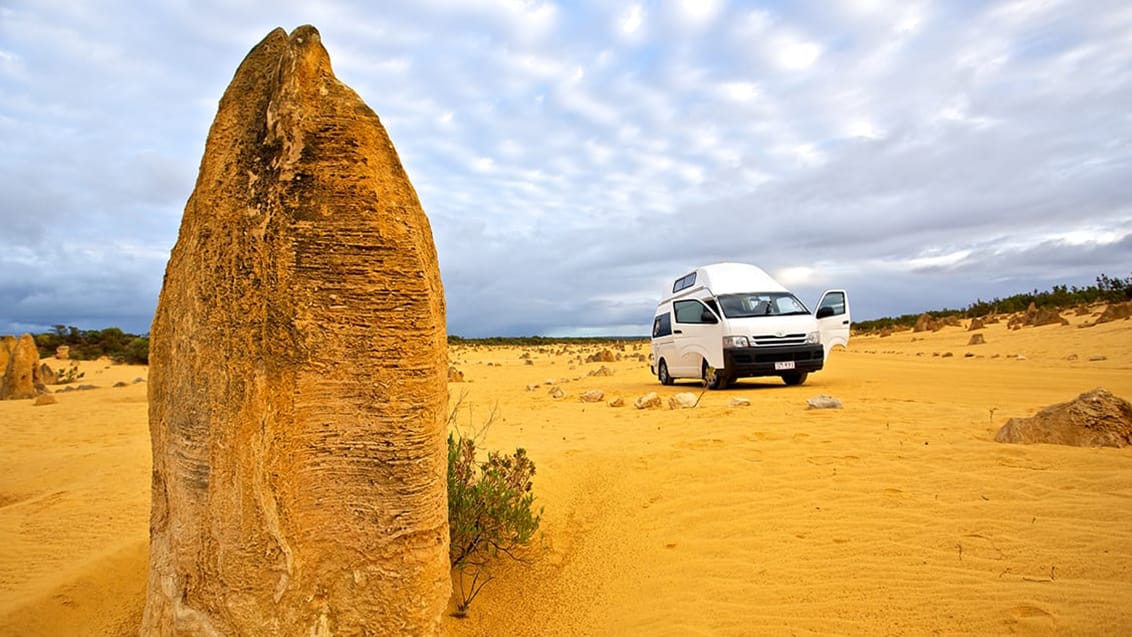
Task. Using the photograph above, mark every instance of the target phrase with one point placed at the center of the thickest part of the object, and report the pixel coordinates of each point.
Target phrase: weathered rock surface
(63, 352)
(1094, 419)
(976, 339)
(297, 374)
(19, 366)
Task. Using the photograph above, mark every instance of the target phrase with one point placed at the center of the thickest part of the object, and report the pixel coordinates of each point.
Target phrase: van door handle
(677, 331)
(844, 322)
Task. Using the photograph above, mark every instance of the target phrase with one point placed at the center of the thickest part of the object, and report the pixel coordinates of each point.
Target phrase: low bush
(490, 512)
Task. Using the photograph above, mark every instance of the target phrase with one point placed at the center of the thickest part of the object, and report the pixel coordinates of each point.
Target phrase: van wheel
(714, 378)
(796, 378)
(662, 373)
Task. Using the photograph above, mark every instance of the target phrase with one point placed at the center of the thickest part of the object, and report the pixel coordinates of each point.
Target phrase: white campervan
(727, 321)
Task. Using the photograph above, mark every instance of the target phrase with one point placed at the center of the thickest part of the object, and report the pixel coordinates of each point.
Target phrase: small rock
(740, 402)
(121, 383)
(823, 402)
(44, 399)
(1094, 359)
(139, 379)
(683, 400)
(601, 371)
(556, 393)
(976, 339)
(592, 396)
(617, 402)
(1019, 358)
(648, 401)
(86, 387)
(533, 387)
(455, 375)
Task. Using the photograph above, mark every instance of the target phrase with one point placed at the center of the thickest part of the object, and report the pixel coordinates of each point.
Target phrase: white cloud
(795, 54)
(696, 14)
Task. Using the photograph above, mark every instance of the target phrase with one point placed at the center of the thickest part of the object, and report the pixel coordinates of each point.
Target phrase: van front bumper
(743, 362)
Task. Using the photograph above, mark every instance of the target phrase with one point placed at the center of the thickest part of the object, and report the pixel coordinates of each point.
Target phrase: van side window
(662, 325)
(683, 282)
(835, 300)
(689, 311)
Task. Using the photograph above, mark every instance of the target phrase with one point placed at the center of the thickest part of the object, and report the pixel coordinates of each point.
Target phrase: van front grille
(770, 340)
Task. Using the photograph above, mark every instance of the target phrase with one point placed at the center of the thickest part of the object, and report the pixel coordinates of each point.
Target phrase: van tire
(796, 378)
(717, 379)
(662, 373)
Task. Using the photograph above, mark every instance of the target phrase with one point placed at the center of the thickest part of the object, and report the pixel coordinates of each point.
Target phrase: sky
(574, 158)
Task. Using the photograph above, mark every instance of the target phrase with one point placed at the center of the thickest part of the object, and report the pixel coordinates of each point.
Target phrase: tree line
(91, 344)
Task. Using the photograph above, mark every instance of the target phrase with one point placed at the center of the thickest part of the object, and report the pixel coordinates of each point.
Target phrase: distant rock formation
(604, 356)
(19, 364)
(1116, 312)
(1094, 419)
(297, 374)
(928, 323)
(1036, 317)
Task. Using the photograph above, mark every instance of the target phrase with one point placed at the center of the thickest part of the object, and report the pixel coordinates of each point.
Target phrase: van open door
(699, 337)
(833, 319)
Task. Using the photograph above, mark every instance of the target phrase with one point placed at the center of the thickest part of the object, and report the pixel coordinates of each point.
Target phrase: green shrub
(490, 512)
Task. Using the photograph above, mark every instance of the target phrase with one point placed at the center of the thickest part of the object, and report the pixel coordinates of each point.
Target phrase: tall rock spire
(297, 374)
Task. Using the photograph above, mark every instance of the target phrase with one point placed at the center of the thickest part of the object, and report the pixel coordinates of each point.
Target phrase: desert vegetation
(491, 510)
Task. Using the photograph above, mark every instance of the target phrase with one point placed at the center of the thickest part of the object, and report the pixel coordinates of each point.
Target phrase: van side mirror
(707, 317)
(825, 312)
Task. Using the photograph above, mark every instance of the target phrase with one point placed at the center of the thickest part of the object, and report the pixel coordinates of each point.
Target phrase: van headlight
(733, 342)
(813, 338)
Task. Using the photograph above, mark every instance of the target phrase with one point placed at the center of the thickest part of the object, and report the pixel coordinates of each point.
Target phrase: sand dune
(897, 514)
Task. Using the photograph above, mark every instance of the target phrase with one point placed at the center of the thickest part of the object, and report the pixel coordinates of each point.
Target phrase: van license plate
(780, 365)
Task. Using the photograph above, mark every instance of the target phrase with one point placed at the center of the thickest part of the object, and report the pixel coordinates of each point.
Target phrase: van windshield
(760, 304)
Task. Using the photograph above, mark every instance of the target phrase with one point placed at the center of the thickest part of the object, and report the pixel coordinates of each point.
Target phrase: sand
(897, 514)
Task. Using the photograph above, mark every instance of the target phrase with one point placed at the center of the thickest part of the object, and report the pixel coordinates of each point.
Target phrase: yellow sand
(897, 514)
